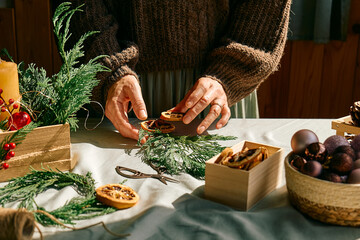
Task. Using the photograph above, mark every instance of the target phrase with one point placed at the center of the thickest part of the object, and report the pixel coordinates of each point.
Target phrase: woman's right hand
(126, 90)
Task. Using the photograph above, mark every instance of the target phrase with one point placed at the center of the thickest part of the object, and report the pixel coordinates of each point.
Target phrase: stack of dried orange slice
(162, 124)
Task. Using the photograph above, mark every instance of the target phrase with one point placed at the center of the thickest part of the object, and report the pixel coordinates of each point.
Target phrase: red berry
(6, 146)
(7, 157)
(11, 153)
(3, 109)
(11, 101)
(19, 120)
(15, 106)
(5, 165)
(1, 91)
(1, 102)
(12, 145)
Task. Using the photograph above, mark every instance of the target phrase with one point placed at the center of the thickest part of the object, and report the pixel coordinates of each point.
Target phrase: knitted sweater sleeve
(122, 56)
(251, 48)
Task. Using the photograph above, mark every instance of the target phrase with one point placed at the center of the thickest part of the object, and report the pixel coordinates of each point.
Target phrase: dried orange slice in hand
(171, 116)
(117, 195)
(153, 125)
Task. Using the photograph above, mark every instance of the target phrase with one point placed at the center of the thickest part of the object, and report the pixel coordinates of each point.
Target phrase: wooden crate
(43, 147)
(241, 189)
(344, 125)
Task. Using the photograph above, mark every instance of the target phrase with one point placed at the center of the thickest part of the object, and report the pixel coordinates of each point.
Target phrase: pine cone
(355, 113)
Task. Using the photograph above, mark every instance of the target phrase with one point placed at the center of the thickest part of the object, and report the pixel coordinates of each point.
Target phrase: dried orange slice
(246, 159)
(171, 116)
(153, 125)
(117, 195)
(227, 152)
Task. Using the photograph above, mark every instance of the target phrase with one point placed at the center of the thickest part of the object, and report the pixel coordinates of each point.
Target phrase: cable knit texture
(238, 43)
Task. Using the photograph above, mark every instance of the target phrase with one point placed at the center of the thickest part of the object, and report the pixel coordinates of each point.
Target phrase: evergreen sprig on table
(56, 99)
(25, 189)
(180, 153)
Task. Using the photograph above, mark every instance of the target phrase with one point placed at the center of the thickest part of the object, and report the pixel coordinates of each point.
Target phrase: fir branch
(76, 209)
(56, 100)
(4, 52)
(3, 124)
(25, 189)
(180, 153)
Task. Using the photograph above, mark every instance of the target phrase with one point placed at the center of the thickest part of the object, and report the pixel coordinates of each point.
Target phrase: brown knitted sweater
(236, 42)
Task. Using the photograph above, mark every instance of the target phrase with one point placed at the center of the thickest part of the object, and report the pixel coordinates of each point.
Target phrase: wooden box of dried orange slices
(242, 175)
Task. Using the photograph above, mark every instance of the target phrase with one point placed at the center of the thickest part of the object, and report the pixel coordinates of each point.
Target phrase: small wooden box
(344, 125)
(45, 147)
(241, 189)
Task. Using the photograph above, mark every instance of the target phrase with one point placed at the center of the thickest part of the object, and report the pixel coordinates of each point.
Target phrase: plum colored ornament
(334, 141)
(301, 139)
(354, 176)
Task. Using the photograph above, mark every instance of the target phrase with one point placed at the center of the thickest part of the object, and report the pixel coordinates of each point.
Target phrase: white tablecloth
(178, 211)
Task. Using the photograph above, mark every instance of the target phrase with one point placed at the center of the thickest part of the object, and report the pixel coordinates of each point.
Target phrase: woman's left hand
(206, 91)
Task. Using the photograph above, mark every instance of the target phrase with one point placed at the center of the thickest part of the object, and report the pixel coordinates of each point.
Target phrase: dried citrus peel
(245, 159)
(117, 195)
(171, 116)
(153, 125)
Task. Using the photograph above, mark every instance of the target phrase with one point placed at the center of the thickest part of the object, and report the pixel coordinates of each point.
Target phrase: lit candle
(9, 83)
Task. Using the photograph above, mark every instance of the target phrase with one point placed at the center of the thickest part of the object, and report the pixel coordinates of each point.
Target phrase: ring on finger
(218, 104)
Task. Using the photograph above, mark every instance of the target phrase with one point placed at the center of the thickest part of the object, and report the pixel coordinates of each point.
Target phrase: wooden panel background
(315, 80)
(33, 29)
(7, 26)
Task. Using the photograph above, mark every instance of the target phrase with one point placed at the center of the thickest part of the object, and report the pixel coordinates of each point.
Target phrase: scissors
(137, 174)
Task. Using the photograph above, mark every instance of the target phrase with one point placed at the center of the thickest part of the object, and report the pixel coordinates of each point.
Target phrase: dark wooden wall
(26, 32)
(314, 80)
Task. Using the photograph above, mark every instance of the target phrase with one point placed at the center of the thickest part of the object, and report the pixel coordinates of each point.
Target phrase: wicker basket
(335, 203)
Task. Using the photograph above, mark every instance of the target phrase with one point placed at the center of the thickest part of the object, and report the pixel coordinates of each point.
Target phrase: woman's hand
(126, 90)
(205, 92)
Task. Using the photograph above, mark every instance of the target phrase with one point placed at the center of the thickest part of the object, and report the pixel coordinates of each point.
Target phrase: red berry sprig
(5, 165)
(8, 147)
(6, 106)
(16, 120)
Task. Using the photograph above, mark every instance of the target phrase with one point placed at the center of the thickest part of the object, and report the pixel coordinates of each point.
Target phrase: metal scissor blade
(171, 179)
(134, 173)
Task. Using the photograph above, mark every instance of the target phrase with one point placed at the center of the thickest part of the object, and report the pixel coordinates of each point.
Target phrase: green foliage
(25, 189)
(56, 99)
(180, 153)
(17, 137)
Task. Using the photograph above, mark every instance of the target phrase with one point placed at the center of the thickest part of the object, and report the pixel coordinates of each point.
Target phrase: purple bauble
(334, 141)
(354, 176)
(355, 143)
(301, 139)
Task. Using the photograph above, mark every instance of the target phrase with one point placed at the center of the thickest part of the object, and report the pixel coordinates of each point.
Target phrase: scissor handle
(135, 173)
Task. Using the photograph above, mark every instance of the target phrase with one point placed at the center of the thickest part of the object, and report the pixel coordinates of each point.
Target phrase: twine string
(30, 111)
(88, 114)
(39, 230)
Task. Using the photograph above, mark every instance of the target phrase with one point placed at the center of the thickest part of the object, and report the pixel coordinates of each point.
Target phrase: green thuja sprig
(25, 189)
(56, 99)
(180, 153)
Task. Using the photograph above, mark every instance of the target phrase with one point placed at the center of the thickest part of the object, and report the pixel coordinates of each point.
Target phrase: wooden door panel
(273, 93)
(305, 79)
(33, 32)
(7, 26)
(338, 74)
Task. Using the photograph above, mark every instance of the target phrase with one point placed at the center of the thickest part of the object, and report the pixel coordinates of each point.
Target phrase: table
(178, 211)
